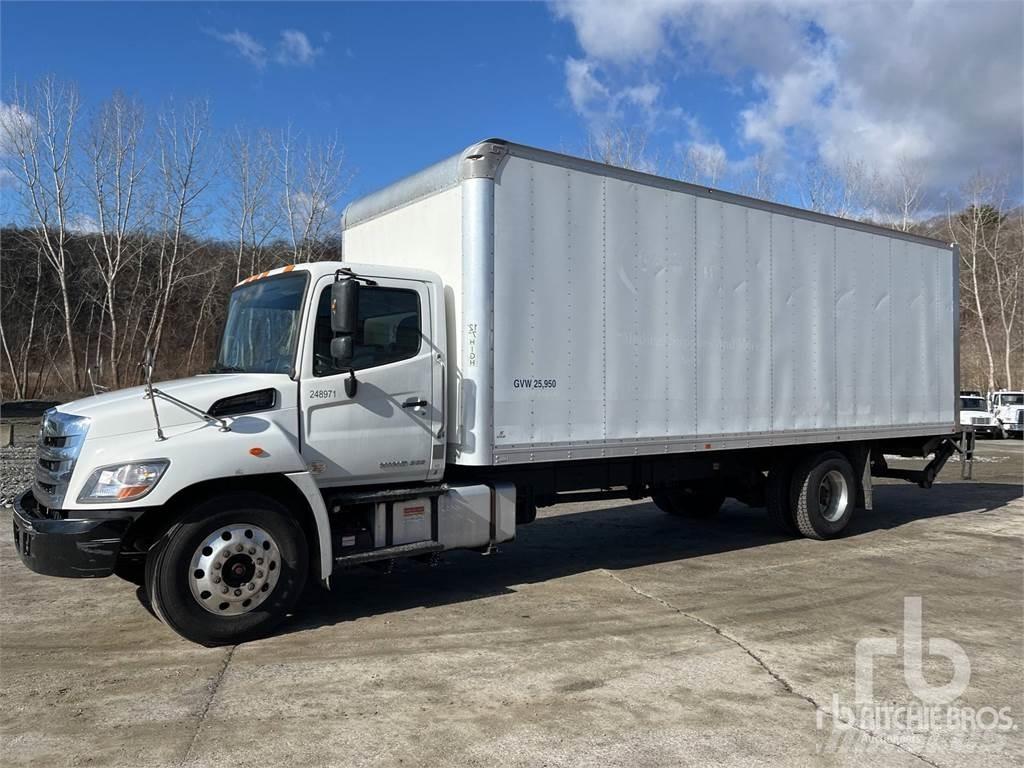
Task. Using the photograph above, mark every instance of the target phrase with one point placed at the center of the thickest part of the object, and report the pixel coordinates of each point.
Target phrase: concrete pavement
(607, 634)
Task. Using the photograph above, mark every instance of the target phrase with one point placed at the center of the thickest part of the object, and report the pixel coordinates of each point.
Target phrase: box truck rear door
(384, 432)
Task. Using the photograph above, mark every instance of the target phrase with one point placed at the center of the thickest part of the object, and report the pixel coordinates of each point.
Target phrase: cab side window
(387, 329)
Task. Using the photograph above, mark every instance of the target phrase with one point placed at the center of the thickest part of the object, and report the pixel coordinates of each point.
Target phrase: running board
(389, 553)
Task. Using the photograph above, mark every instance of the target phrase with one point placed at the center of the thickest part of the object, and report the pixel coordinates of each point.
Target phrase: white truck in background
(511, 328)
(974, 415)
(1008, 412)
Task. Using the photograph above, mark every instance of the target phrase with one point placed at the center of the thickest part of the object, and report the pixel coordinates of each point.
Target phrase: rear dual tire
(823, 494)
(814, 497)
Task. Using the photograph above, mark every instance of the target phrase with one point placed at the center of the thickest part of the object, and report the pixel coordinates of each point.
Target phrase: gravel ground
(15, 471)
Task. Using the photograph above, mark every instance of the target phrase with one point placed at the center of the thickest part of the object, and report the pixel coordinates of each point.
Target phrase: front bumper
(83, 548)
(989, 430)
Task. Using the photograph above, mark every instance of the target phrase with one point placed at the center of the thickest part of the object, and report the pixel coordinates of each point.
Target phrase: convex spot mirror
(341, 351)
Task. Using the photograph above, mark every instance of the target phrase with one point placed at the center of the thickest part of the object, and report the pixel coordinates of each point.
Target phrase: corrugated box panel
(630, 314)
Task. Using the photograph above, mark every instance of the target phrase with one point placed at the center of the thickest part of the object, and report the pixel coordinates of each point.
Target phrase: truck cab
(272, 464)
(1008, 411)
(974, 415)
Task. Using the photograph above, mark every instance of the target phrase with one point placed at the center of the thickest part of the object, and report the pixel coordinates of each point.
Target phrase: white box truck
(511, 328)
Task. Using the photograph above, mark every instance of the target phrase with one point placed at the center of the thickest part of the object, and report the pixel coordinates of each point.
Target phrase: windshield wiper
(226, 369)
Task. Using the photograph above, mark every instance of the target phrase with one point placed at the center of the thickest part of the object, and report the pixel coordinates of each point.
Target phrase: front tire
(229, 571)
(823, 493)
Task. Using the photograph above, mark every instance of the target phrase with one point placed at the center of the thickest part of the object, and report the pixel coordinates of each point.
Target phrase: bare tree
(760, 179)
(184, 175)
(704, 164)
(841, 189)
(114, 155)
(313, 179)
(253, 215)
(38, 135)
(623, 148)
(970, 230)
(902, 194)
(993, 234)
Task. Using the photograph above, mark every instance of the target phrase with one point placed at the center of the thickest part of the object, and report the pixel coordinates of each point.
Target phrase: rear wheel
(823, 494)
(229, 571)
(688, 501)
(777, 499)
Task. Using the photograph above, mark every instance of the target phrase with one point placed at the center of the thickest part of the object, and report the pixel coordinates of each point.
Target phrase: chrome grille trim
(60, 442)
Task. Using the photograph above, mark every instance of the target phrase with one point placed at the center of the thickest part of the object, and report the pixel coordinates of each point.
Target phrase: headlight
(123, 482)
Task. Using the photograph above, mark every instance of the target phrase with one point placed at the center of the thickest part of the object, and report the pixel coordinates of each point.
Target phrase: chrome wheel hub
(235, 569)
(833, 495)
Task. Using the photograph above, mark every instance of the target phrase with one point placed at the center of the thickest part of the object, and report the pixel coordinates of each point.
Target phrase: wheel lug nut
(259, 561)
(239, 547)
(216, 566)
(238, 592)
(216, 579)
(252, 550)
(251, 586)
(259, 574)
(224, 590)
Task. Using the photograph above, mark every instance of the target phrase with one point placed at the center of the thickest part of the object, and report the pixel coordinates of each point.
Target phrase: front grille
(60, 441)
(979, 420)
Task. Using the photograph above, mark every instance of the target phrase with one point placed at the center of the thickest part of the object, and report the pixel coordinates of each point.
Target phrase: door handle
(414, 404)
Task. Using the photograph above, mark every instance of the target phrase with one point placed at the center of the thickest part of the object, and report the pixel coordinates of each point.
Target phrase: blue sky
(401, 84)
(714, 85)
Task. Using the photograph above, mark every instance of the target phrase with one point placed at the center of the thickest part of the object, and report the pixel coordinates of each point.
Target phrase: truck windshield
(1014, 398)
(972, 404)
(262, 328)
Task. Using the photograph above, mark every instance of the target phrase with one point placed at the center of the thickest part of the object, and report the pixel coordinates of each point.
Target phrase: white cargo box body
(597, 312)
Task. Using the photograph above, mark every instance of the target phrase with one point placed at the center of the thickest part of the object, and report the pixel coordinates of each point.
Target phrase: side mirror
(344, 305)
(341, 351)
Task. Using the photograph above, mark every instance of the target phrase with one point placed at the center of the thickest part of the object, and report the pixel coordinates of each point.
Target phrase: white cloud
(585, 91)
(602, 104)
(294, 49)
(14, 121)
(247, 46)
(940, 84)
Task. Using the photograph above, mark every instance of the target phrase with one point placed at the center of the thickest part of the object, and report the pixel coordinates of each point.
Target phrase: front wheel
(229, 571)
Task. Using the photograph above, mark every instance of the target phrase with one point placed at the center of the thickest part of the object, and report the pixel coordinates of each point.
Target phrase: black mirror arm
(347, 273)
(351, 383)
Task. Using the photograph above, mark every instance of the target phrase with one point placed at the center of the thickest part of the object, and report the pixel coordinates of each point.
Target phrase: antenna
(147, 370)
(152, 393)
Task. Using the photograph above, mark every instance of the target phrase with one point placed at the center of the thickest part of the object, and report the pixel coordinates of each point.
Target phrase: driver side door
(386, 431)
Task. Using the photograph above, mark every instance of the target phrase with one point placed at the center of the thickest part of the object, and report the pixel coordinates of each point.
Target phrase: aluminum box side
(635, 318)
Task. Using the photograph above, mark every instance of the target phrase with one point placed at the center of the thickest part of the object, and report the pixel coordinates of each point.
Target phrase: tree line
(113, 251)
(131, 229)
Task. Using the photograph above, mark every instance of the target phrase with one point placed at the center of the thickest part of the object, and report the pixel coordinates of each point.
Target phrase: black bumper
(83, 549)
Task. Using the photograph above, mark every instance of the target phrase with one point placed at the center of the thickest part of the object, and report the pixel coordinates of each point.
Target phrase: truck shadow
(616, 537)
